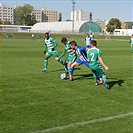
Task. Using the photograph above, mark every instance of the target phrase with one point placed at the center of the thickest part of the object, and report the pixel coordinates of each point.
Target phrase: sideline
(83, 123)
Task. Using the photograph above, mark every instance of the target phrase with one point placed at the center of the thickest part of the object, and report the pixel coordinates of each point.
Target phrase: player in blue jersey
(81, 52)
(87, 42)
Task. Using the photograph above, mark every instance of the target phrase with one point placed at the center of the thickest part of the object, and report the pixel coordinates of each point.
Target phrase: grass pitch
(32, 101)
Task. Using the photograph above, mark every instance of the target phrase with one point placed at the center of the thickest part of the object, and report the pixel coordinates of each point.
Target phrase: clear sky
(101, 9)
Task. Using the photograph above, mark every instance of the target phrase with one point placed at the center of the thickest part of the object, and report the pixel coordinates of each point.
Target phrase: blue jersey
(81, 52)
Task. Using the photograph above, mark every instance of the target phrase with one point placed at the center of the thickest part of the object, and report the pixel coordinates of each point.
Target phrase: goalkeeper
(50, 44)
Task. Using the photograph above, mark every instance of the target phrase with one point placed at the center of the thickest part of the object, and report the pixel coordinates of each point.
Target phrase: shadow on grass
(112, 83)
(81, 76)
(63, 70)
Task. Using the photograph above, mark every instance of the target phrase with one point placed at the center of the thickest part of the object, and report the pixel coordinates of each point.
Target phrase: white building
(81, 15)
(6, 13)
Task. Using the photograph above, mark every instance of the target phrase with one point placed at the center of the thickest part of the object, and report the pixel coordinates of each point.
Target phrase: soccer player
(81, 52)
(71, 57)
(91, 36)
(87, 42)
(131, 42)
(95, 62)
(50, 44)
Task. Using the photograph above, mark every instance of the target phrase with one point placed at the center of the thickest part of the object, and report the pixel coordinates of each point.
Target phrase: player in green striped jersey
(95, 62)
(131, 43)
(50, 44)
(71, 54)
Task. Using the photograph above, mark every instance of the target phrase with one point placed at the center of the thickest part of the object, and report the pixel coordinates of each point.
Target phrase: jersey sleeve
(54, 42)
(99, 53)
(45, 46)
(63, 53)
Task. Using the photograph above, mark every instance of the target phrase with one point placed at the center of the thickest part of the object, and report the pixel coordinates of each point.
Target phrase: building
(6, 13)
(66, 27)
(101, 23)
(38, 15)
(51, 15)
(81, 15)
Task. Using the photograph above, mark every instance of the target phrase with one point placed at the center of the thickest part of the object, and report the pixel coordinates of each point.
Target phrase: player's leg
(101, 72)
(55, 54)
(48, 54)
(76, 63)
(70, 60)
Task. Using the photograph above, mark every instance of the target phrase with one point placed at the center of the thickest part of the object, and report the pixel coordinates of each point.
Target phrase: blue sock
(71, 70)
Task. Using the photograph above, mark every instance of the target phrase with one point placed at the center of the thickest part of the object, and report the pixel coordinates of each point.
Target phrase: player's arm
(63, 53)
(45, 47)
(102, 63)
(54, 42)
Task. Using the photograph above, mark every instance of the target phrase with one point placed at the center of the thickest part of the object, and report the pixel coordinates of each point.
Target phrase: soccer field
(37, 102)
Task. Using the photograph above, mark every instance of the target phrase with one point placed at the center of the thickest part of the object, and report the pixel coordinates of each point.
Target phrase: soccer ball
(63, 76)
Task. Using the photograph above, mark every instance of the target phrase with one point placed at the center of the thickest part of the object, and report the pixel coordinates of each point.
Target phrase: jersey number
(92, 56)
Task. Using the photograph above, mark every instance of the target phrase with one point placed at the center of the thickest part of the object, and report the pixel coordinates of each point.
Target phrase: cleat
(71, 78)
(44, 70)
(96, 84)
(101, 81)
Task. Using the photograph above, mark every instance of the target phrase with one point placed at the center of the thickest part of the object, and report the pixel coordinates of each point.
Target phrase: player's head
(47, 35)
(93, 43)
(73, 44)
(64, 40)
(88, 35)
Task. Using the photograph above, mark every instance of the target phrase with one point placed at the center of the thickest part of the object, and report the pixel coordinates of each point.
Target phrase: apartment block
(51, 15)
(38, 15)
(6, 13)
(81, 15)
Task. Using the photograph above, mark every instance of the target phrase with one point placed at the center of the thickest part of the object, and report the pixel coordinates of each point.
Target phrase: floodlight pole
(73, 9)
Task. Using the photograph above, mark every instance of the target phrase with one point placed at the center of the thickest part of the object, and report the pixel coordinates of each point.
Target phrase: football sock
(104, 78)
(45, 63)
(61, 61)
(71, 70)
(95, 77)
(68, 68)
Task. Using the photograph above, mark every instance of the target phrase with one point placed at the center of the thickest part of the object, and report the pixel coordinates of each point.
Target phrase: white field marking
(83, 123)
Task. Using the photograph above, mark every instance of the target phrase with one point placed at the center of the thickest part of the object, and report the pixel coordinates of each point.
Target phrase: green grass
(34, 101)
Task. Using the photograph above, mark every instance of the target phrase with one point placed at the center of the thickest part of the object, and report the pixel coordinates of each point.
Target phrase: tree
(1, 21)
(7, 22)
(23, 15)
(113, 24)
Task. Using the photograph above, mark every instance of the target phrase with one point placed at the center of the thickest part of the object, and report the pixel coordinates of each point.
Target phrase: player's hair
(73, 43)
(47, 33)
(94, 43)
(63, 40)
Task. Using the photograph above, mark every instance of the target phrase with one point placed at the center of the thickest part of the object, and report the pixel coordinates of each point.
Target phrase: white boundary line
(83, 123)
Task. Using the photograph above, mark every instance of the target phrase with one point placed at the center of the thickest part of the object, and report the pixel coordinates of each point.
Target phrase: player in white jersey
(131, 42)
(87, 42)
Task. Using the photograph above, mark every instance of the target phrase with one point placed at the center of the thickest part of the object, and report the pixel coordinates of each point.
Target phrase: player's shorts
(131, 45)
(88, 46)
(52, 53)
(98, 70)
(71, 59)
(80, 62)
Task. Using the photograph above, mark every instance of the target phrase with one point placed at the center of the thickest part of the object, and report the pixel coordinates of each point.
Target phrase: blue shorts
(88, 46)
(80, 62)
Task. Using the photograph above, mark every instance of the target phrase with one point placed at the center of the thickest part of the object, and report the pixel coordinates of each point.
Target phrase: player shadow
(82, 76)
(64, 70)
(112, 83)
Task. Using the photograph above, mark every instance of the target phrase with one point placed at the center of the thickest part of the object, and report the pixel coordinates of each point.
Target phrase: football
(63, 76)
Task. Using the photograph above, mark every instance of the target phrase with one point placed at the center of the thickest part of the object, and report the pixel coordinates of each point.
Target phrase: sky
(101, 9)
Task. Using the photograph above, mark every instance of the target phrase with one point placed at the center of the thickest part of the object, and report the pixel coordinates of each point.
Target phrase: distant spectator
(33, 36)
